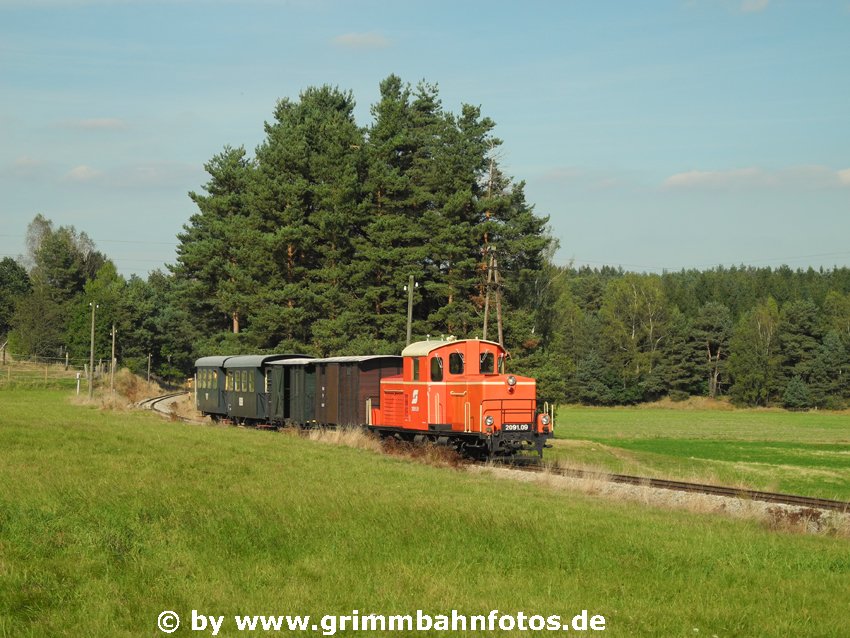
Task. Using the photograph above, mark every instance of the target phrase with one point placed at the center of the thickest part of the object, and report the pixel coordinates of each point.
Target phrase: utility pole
(409, 288)
(112, 363)
(487, 297)
(498, 301)
(91, 352)
(149, 367)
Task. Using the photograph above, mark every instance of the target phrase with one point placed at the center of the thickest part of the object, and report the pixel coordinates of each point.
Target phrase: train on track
(454, 392)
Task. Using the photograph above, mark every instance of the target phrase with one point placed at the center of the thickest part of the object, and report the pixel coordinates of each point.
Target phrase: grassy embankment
(797, 452)
(107, 519)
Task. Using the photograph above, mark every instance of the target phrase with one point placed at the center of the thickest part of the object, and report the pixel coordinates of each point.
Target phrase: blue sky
(656, 134)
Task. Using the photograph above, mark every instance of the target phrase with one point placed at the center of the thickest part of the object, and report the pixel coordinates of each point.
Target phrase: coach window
(437, 369)
(228, 381)
(416, 368)
(486, 363)
(456, 363)
(250, 381)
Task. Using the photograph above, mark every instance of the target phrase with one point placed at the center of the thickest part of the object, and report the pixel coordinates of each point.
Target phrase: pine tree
(799, 335)
(14, 285)
(214, 257)
(755, 361)
(796, 395)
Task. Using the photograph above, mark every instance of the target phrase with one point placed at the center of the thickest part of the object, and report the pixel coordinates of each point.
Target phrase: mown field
(107, 519)
(797, 452)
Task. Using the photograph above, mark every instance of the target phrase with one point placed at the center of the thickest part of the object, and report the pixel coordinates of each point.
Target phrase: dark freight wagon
(247, 386)
(293, 391)
(210, 387)
(331, 391)
(345, 384)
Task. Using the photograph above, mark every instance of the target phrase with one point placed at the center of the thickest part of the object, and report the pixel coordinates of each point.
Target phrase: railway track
(695, 488)
(155, 404)
(792, 500)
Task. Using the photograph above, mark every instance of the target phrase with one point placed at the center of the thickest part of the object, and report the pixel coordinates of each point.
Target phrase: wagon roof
(358, 359)
(346, 359)
(422, 348)
(298, 361)
(211, 362)
(256, 360)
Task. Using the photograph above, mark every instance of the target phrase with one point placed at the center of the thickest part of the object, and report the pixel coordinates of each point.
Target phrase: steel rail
(696, 488)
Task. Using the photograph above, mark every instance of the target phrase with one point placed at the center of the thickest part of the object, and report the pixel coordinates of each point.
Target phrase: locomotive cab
(458, 392)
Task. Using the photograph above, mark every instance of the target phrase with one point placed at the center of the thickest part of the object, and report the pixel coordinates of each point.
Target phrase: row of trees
(307, 246)
(45, 311)
(621, 338)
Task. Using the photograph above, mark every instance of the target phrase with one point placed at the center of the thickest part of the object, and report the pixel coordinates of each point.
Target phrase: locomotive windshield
(486, 362)
(437, 369)
(456, 363)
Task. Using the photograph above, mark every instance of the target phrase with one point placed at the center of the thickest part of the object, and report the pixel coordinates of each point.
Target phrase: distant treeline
(307, 247)
(759, 335)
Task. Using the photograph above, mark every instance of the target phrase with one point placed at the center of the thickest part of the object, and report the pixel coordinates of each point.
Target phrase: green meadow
(109, 518)
(796, 452)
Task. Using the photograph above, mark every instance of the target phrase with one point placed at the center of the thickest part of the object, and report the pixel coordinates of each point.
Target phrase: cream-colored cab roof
(424, 348)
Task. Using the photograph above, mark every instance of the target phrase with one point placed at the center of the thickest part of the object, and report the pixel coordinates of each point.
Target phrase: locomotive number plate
(516, 427)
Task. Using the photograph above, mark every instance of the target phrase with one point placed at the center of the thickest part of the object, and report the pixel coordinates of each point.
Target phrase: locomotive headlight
(545, 420)
(489, 420)
(511, 380)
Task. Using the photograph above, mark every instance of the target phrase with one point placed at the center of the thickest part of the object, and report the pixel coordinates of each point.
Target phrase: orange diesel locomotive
(456, 392)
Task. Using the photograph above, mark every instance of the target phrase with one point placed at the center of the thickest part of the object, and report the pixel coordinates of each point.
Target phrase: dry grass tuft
(804, 520)
(133, 387)
(428, 453)
(356, 438)
(103, 399)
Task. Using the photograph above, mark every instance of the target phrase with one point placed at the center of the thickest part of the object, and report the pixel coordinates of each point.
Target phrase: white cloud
(371, 40)
(82, 173)
(754, 177)
(754, 6)
(97, 124)
(720, 179)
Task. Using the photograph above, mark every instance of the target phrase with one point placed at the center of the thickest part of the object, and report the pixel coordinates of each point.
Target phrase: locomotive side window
(486, 363)
(437, 369)
(416, 368)
(456, 363)
(501, 364)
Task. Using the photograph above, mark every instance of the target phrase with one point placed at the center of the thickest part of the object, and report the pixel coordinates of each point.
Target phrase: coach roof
(256, 360)
(211, 362)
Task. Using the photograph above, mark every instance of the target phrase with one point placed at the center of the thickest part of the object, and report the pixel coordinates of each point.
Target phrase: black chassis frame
(495, 444)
